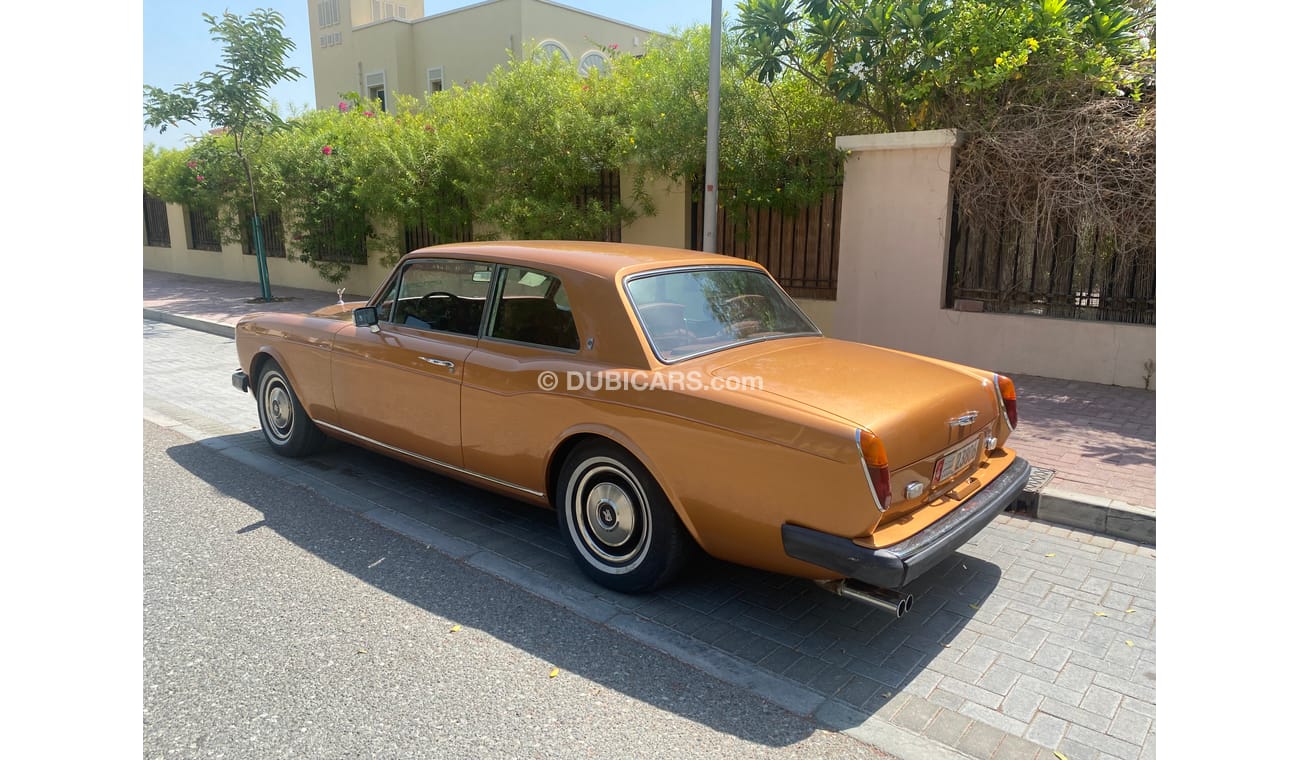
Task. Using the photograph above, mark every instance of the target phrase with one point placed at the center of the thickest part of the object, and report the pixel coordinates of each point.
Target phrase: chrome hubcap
(608, 516)
(279, 409)
(611, 514)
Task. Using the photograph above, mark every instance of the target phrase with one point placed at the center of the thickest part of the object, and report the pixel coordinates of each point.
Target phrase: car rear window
(695, 311)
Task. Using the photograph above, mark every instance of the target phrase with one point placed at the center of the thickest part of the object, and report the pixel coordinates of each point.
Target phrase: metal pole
(711, 143)
(260, 249)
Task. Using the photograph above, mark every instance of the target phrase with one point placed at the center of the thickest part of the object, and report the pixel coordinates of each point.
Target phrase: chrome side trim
(857, 438)
(433, 462)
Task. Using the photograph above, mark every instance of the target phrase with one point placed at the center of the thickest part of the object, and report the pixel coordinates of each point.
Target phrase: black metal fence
(1062, 270)
(156, 230)
(203, 232)
(801, 250)
(607, 191)
(420, 235)
(341, 240)
(272, 235)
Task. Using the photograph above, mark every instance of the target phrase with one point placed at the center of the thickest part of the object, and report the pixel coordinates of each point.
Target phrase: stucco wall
(231, 263)
(668, 226)
(893, 267)
(821, 312)
(466, 43)
(579, 32)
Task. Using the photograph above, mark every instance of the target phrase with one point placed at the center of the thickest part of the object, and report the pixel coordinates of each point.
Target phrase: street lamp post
(711, 140)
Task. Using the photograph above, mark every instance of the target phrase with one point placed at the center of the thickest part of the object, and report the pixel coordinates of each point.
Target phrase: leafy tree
(917, 64)
(413, 174)
(316, 172)
(235, 97)
(175, 176)
(532, 140)
(777, 145)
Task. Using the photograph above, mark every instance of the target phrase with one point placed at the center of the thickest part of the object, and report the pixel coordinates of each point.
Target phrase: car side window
(533, 307)
(445, 295)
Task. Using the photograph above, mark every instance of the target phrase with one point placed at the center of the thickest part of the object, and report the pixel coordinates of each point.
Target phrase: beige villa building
(382, 48)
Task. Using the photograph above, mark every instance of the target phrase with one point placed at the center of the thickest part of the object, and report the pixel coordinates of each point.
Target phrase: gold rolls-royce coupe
(656, 399)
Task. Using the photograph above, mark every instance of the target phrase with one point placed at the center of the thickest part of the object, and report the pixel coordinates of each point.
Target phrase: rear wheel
(620, 527)
(285, 423)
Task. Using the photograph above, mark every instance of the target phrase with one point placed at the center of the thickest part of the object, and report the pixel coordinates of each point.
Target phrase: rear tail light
(876, 464)
(1007, 390)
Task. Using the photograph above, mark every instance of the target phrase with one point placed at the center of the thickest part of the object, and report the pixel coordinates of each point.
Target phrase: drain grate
(1027, 501)
(1038, 478)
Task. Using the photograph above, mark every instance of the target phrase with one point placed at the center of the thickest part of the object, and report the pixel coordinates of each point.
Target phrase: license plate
(955, 461)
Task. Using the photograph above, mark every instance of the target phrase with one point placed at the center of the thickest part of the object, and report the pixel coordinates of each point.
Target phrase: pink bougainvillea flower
(614, 46)
(192, 164)
(199, 178)
(370, 113)
(343, 106)
(327, 150)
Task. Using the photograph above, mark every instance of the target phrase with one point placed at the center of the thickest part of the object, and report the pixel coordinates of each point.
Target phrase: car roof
(595, 258)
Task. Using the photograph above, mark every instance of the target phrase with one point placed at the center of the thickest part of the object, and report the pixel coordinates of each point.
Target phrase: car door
(514, 400)
(400, 385)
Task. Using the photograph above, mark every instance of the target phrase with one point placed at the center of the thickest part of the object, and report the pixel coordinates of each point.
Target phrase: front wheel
(620, 527)
(285, 423)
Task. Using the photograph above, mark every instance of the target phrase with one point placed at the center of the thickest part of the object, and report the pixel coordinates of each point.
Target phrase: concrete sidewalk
(1093, 446)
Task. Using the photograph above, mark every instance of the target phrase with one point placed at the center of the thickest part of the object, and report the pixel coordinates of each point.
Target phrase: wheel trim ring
(277, 409)
(584, 538)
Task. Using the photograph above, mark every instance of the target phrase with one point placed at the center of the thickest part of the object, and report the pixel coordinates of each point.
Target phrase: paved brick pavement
(1033, 639)
(1099, 440)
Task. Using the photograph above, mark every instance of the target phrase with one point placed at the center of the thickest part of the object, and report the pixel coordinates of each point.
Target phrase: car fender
(626, 442)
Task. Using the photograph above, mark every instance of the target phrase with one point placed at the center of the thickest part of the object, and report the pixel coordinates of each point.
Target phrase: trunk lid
(919, 407)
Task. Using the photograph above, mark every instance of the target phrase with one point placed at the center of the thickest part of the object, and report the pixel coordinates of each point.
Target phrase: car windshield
(695, 311)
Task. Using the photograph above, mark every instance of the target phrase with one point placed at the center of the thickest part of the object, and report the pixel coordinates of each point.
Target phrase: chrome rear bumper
(894, 566)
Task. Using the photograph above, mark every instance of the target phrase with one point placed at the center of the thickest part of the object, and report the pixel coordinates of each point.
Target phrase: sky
(177, 46)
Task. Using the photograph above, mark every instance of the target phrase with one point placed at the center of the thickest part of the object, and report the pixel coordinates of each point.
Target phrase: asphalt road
(279, 625)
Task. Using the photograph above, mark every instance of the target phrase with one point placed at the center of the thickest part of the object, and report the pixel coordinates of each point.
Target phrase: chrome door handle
(439, 362)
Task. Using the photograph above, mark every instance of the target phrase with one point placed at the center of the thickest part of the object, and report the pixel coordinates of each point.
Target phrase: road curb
(1097, 514)
(194, 323)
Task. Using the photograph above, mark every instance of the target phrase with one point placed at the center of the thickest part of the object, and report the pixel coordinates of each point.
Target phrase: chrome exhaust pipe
(889, 600)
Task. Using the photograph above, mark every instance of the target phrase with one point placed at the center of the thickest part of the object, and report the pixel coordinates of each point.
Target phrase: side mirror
(366, 316)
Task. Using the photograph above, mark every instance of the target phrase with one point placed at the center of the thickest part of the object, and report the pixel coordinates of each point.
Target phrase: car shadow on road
(825, 646)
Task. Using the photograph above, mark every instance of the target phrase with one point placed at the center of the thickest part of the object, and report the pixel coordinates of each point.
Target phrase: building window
(375, 89)
(327, 13)
(593, 60)
(549, 48)
(201, 230)
(156, 230)
(435, 79)
(381, 9)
